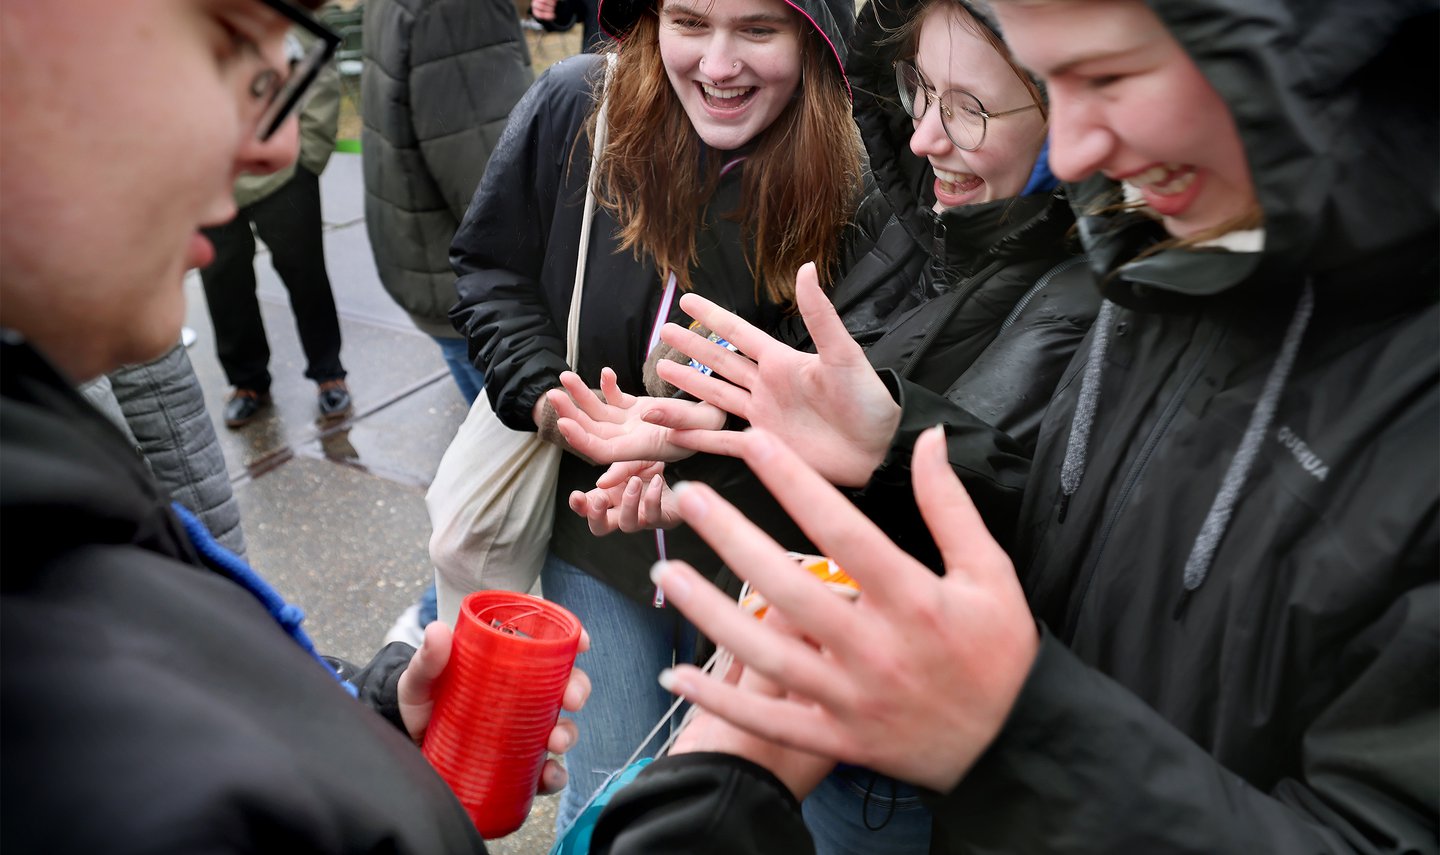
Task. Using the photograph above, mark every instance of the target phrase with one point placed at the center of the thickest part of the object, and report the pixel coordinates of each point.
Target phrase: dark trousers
(288, 220)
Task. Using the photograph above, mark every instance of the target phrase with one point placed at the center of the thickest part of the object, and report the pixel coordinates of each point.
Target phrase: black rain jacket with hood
(515, 254)
(1230, 533)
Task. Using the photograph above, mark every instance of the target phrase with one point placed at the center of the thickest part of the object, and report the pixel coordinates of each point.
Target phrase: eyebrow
(755, 18)
(1070, 65)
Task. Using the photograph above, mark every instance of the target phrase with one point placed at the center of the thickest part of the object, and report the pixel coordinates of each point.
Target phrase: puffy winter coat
(440, 79)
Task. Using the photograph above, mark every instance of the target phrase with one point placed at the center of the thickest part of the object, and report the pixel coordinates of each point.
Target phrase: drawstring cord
(1202, 553)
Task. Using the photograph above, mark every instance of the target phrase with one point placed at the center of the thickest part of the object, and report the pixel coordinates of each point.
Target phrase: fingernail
(632, 487)
(692, 505)
(938, 430)
(675, 587)
(671, 683)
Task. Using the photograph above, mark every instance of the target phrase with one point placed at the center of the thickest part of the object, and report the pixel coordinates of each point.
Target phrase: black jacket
(440, 79)
(971, 314)
(516, 252)
(1286, 699)
(150, 703)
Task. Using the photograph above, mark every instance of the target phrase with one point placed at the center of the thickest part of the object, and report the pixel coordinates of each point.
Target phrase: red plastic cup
(497, 702)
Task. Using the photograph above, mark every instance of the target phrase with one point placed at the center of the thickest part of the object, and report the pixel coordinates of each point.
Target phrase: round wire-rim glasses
(963, 117)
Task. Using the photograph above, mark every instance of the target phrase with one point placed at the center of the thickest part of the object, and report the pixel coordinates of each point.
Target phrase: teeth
(1170, 188)
(1155, 178)
(717, 92)
(949, 177)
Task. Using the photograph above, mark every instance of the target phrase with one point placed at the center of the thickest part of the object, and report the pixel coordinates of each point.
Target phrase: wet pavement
(334, 515)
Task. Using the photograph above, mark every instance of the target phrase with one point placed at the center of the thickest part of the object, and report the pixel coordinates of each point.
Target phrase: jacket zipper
(1037, 288)
(1162, 427)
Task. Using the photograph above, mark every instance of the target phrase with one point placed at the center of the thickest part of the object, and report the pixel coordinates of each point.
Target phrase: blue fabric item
(858, 812)
(229, 564)
(576, 839)
(457, 358)
(1042, 180)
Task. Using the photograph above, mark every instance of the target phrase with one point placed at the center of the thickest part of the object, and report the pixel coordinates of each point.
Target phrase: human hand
(622, 427)
(630, 496)
(417, 701)
(542, 10)
(829, 406)
(800, 771)
(915, 678)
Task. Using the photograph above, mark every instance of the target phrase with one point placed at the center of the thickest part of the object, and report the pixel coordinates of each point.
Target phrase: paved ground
(336, 518)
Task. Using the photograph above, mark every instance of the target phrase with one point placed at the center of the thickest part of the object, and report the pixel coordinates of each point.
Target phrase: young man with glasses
(284, 209)
(158, 696)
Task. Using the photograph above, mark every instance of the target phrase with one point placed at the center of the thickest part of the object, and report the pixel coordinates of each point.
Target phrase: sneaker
(407, 628)
(244, 405)
(335, 400)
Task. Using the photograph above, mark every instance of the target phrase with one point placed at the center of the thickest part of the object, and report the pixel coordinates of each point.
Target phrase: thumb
(832, 341)
(965, 543)
(417, 685)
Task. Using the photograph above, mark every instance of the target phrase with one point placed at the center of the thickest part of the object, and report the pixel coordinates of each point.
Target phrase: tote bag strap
(572, 324)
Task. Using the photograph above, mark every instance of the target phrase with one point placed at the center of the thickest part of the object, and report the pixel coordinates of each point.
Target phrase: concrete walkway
(335, 517)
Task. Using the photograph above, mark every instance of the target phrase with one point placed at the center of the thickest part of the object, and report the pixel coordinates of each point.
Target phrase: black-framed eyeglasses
(283, 96)
(962, 115)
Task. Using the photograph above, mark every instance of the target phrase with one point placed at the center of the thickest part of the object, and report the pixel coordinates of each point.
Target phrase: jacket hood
(1335, 103)
(834, 20)
(905, 179)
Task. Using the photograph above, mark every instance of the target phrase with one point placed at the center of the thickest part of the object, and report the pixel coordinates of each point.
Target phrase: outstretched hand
(630, 496)
(829, 406)
(417, 700)
(915, 678)
(800, 771)
(624, 426)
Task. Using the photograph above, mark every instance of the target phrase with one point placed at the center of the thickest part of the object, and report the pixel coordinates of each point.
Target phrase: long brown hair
(799, 187)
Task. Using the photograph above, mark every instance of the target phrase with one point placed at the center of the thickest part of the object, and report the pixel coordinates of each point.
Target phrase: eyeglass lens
(961, 114)
(291, 95)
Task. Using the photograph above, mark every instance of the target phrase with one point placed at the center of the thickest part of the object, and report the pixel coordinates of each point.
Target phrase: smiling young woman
(731, 159)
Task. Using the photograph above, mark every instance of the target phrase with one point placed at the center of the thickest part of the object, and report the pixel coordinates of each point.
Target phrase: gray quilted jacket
(440, 78)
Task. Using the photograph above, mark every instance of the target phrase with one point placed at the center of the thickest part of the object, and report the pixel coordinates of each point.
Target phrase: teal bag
(576, 839)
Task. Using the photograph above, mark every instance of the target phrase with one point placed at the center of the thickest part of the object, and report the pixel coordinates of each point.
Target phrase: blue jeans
(457, 358)
(858, 812)
(629, 645)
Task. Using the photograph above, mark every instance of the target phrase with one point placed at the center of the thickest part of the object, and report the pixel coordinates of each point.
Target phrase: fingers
(785, 721)
(610, 387)
(712, 390)
(731, 365)
(552, 778)
(417, 684)
(652, 504)
(624, 470)
(584, 398)
(630, 505)
(750, 339)
(683, 415)
(577, 690)
(950, 514)
(791, 662)
(832, 340)
(829, 520)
